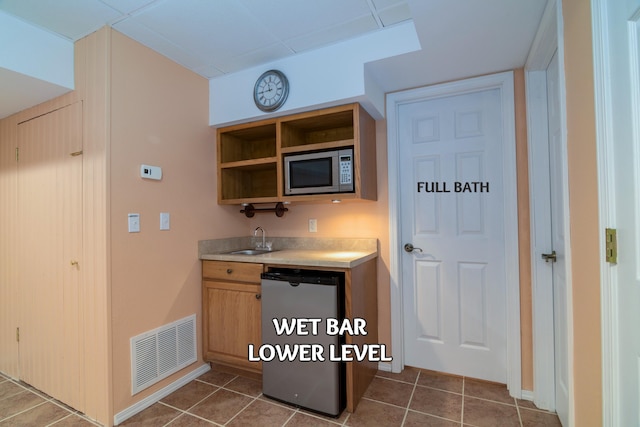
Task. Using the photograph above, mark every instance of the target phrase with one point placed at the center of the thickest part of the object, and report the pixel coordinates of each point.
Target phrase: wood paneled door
(50, 248)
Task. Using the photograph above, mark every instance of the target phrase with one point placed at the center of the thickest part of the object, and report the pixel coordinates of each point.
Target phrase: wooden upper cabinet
(250, 155)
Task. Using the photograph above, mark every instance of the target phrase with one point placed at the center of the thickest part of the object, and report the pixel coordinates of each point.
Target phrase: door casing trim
(549, 39)
(504, 82)
(606, 214)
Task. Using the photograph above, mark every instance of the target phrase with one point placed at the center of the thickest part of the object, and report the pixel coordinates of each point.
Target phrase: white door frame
(503, 82)
(549, 39)
(606, 213)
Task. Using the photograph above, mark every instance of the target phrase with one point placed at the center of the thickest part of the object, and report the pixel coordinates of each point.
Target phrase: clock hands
(271, 90)
(271, 87)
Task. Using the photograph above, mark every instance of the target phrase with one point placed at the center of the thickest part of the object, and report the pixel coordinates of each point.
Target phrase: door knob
(408, 247)
(549, 257)
(74, 263)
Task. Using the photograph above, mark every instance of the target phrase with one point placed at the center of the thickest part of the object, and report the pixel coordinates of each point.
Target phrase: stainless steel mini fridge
(304, 294)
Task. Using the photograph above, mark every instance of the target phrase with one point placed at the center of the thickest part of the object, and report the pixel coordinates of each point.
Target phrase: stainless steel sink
(250, 252)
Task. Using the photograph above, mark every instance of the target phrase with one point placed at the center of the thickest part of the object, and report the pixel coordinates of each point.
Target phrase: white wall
(330, 75)
(35, 65)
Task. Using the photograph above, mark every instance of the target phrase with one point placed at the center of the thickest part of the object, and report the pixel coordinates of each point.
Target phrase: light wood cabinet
(231, 312)
(250, 165)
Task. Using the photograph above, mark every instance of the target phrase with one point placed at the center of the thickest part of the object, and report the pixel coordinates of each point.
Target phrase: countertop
(309, 252)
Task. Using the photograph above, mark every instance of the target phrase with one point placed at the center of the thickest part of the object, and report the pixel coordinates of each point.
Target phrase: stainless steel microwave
(318, 172)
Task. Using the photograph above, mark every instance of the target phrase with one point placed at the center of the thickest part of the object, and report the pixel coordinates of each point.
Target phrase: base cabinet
(231, 313)
(232, 317)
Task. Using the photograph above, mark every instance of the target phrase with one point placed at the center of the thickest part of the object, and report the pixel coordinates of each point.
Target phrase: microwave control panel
(345, 170)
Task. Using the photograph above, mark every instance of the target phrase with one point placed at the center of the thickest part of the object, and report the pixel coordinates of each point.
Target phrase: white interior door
(557, 263)
(618, 105)
(50, 212)
(451, 182)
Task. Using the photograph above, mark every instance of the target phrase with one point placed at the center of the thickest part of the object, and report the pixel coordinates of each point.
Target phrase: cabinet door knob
(258, 296)
(229, 271)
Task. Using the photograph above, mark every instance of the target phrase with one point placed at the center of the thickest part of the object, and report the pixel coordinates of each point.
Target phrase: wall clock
(271, 90)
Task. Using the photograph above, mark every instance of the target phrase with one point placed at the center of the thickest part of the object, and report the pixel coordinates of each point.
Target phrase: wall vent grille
(159, 353)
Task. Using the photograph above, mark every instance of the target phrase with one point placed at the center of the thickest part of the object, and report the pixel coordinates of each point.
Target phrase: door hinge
(611, 246)
(17, 154)
(18, 334)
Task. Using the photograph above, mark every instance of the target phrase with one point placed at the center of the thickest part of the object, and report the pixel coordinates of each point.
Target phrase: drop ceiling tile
(334, 34)
(252, 59)
(287, 19)
(208, 71)
(73, 19)
(135, 30)
(395, 14)
(382, 4)
(127, 6)
(210, 29)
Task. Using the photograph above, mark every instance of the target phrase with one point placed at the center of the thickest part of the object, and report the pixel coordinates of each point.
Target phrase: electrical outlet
(313, 225)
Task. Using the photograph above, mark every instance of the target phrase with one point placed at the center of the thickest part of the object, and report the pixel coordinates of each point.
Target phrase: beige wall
(91, 83)
(583, 206)
(524, 231)
(159, 116)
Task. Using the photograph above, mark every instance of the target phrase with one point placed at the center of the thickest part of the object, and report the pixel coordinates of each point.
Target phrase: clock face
(271, 90)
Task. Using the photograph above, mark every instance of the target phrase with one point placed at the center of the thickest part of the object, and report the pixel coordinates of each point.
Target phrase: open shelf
(317, 129)
(250, 154)
(249, 182)
(247, 143)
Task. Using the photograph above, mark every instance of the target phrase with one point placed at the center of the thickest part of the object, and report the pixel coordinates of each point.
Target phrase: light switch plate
(134, 223)
(313, 225)
(165, 221)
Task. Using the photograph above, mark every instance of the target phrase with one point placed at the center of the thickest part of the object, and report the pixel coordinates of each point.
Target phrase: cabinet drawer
(236, 271)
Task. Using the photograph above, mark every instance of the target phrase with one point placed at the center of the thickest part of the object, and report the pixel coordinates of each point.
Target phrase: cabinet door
(232, 322)
(51, 345)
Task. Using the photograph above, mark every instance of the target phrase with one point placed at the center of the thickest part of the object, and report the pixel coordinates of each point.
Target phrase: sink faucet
(255, 233)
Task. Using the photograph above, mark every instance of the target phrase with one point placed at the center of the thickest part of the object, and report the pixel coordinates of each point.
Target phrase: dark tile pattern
(412, 398)
(389, 391)
(189, 395)
(483, 413)
(531, 418)
(441, 381)
(437, 402)
(155, 415)
(22, 405)
(38, 416)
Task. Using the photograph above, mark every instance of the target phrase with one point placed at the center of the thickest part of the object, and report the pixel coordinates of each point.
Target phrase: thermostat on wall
(151, 172)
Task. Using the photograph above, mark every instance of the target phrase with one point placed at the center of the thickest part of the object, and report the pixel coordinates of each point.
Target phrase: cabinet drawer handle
(229, 271)
(258, 296)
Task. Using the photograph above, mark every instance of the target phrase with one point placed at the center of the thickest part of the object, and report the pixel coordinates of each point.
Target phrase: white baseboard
(527, 395)
(163, 392)
(384, 366)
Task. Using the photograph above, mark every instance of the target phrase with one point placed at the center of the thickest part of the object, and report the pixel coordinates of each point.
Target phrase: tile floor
(22, 405)
(413, 398)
